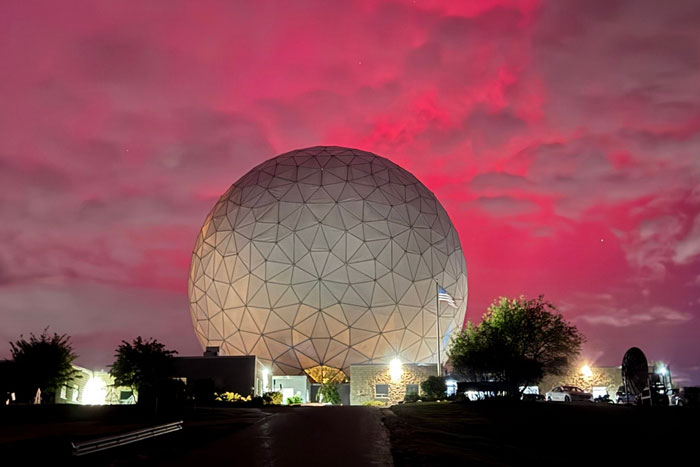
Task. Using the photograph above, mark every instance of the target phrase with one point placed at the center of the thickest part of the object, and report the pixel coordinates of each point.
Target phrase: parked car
(532, 397)
(568, 394)
(656, 394)
(688, 396)
(622, 397)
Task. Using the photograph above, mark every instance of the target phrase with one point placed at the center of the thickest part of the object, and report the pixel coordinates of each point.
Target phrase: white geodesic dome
(326, 256)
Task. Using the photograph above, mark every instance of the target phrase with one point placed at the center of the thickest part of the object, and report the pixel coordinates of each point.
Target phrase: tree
(517, 343)
(145, 366)
(328, 393)
(44, 362)
(434, 387)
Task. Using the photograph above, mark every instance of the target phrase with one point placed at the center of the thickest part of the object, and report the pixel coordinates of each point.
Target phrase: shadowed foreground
(421, 434)
(521, 433)
(272, 436)
(302, 436)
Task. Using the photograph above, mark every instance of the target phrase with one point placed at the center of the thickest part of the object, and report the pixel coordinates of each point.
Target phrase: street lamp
(395, 370)
(586, 371)
(95, 391)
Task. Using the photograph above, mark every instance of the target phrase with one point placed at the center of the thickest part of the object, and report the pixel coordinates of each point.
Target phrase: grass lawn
(502, 432)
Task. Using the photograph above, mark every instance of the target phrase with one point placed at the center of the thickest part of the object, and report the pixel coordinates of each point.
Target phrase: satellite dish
(635, 371)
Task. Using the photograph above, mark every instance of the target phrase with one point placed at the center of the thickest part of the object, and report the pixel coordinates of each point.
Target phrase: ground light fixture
(395, 370)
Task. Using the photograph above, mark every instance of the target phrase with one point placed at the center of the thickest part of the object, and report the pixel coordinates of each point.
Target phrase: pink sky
(563, 137)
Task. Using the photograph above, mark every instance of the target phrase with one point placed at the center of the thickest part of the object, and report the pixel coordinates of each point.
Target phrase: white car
(568, 394)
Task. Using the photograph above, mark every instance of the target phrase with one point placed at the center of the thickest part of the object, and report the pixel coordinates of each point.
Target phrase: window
(411, 389)
(451, 387)
(381, 390)
(126, 397)
(63, 392)
(74, 395)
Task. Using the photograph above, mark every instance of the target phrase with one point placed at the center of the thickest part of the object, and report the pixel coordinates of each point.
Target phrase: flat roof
(214, 357)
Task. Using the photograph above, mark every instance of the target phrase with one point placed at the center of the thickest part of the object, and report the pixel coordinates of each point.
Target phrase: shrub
(328, 393)
(294, 400)
(458, 397)
(273, 398)
(257, 401)
(374, 403)
(411, 398)
(230, 397)
(434, 387)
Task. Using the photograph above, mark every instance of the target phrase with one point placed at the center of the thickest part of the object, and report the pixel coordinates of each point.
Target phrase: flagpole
(437, 321)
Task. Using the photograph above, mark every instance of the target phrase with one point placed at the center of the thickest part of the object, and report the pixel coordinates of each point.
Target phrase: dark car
(687, 396)
(623, 397)
(655, 394)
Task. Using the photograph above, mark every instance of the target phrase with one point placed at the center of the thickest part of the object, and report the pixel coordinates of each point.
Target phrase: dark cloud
(505, 205)
(500, 181)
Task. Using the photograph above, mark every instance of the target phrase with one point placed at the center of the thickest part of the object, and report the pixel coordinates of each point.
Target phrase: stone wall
(610, 377)
(365, 377)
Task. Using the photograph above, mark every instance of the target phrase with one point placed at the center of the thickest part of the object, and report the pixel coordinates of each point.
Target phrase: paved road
(303, 436)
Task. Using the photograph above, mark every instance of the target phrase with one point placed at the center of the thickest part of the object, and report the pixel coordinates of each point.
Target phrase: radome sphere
(326, 256)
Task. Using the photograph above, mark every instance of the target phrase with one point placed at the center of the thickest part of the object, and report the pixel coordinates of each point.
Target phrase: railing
(100, 444)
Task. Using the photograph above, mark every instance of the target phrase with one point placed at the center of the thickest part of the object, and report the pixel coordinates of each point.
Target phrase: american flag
(443, 296)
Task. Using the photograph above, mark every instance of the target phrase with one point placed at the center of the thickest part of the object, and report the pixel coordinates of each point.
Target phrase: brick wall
(364, 378)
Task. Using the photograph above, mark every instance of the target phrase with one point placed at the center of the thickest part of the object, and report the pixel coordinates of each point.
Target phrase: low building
(292, 386)
(387, 383)
(212, 373)
(93, 387)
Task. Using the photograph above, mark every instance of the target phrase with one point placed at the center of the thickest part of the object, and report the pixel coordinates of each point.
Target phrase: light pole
(437, 321)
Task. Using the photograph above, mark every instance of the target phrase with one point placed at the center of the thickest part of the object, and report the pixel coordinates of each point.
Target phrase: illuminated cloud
(543, 128)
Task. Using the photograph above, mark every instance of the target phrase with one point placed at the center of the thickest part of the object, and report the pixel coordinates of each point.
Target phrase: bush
(374, 403)
(257, 401)
(411, 398)
(458, 397)
(328, 393)
(294, 400)
(230, 397)
(434, 387)
(273, 398)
